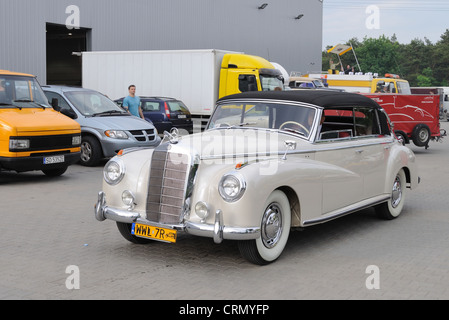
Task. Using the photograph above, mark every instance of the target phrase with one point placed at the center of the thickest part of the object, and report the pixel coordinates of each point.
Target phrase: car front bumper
(218, 231)
(110, 146)
(22, 164)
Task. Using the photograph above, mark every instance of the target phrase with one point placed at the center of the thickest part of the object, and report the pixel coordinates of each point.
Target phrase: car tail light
(167, 110)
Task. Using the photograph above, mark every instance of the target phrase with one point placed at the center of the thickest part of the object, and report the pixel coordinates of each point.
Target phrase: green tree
(414, 58)
(378, 55)
(441, 56)
(426, 79)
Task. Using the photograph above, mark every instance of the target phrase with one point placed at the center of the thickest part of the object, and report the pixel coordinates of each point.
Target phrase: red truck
(415, 116)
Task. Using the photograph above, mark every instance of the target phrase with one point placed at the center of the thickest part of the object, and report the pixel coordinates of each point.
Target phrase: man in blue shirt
(132, 102)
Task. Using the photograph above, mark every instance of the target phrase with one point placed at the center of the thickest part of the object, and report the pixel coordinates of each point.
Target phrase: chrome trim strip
(289, 152)
(349, 209)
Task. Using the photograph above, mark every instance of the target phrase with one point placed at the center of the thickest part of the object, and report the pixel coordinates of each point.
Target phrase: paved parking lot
(49, 236)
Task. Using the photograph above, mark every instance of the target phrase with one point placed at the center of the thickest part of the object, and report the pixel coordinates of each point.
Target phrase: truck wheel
(392, 208)
(91, 152)
(125, 231)
(421, 135)
(54, 172)
(275, 229)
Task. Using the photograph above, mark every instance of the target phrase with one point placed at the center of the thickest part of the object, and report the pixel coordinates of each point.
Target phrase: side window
(365, 121)
(350, 122)
(247, 82)
(150, 106)
(337, 123)
(61, 101)
(384, 122)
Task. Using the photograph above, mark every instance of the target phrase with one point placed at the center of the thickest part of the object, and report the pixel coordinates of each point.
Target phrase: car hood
(115, 123)
(228, 143)
(28, 120)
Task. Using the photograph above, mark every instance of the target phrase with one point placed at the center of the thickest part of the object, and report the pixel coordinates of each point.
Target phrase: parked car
(165, 113)
(306, 82)
(268, 162)
(105, 128)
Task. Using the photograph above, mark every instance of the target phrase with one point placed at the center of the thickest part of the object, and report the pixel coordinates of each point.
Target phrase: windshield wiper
(107, 112)
(10, 105)
(32, 101)
(241, 124)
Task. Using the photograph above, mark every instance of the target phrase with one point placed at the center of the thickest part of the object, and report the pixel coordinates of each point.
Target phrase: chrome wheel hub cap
(272, 225)
(396, 194)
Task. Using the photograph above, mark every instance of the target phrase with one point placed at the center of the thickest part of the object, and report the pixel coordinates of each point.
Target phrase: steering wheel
(294, 123)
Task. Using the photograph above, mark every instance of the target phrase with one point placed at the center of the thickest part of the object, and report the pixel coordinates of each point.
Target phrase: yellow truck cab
(33, 136)
(243, 72)
(365, 83)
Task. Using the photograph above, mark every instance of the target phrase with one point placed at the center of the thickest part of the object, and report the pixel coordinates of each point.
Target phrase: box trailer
(196, 77)
(415, 116)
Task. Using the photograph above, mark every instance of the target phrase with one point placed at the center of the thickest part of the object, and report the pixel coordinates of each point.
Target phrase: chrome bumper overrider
(217, 231)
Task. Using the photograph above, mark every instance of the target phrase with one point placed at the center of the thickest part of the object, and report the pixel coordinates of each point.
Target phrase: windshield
(271, 82)
(21, 92)
(92, 103)
(403, 87)
(292, 118)
(318, 84)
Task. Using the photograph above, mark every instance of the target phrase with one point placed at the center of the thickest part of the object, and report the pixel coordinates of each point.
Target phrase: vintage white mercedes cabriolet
(268, 162)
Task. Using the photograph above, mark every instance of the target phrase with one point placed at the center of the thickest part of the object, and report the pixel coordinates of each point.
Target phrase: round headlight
(232, 186)
(114, 171)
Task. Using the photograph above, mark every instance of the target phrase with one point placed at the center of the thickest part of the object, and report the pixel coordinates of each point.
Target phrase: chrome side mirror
(290, 145)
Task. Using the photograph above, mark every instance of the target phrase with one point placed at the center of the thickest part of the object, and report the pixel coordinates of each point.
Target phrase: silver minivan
(105, 127)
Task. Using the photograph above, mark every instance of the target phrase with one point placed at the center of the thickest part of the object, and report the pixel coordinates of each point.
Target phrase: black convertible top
(322, 98)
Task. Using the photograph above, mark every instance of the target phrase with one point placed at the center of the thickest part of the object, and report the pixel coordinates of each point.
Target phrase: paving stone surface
(48, 225)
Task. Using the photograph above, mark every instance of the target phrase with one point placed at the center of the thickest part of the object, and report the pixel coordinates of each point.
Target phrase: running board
(349, 209)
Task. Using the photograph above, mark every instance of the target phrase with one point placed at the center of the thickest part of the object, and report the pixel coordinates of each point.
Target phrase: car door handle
(359, 151)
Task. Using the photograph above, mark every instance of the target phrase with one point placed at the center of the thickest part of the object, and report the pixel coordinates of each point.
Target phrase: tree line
(421, 62)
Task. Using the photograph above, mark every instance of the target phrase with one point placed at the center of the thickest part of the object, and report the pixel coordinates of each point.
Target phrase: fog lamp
(128, 198)
(202, 210)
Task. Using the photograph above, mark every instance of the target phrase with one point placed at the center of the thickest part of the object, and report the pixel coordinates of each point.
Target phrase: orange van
(33, 136)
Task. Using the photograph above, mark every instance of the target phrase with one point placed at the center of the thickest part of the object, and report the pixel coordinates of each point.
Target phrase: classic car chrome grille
(167, 186)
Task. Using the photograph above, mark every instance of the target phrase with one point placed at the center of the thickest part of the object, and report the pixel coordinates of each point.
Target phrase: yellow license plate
(155, 233)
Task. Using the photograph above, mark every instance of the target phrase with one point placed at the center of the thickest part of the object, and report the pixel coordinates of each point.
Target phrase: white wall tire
(275, 229)
(393, 207)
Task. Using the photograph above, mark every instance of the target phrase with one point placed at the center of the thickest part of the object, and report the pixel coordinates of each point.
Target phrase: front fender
(302, 176)
(401, 157)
